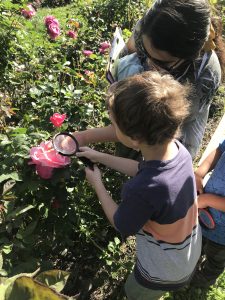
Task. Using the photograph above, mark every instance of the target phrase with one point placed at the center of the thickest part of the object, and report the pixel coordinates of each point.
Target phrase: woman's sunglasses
(159, 63)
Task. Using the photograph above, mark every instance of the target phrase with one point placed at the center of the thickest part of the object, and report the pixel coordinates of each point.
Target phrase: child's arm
(123, 165)
(109, 206)
(95, 135)
(211, 200)
(206, 166)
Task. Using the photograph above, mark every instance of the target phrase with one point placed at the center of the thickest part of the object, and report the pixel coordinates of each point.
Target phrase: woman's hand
(94, 177)
(89, 153)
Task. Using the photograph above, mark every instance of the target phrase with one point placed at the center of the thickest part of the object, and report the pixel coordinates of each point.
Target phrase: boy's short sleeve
(133, 212)
(222, 146)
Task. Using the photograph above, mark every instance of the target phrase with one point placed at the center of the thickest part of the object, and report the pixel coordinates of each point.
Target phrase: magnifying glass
(66, 144)
(205, 218)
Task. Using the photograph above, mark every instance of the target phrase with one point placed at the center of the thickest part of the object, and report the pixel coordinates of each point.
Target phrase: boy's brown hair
(149, 107)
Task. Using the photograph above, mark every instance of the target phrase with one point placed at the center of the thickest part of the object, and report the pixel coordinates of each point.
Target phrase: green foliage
(46, 285)
(43, 221)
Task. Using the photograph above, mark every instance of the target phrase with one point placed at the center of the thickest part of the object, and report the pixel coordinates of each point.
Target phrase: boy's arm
(211, 200)
(108, 205)
(120, 164)
(95, 135)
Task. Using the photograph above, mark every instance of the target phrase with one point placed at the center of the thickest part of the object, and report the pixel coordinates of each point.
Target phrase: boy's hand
(89, 153)
(202, 201)
(94, 177)
(199, 183)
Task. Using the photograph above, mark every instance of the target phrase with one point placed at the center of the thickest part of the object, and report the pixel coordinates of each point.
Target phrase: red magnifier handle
(205, 218)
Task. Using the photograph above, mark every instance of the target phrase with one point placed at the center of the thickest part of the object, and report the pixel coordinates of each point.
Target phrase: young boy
(213, 197)
(159, 204)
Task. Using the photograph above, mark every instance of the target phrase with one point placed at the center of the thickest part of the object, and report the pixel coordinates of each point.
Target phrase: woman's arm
(96, 135)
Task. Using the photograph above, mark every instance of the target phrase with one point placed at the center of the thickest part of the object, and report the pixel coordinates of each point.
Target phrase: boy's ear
(136, 144)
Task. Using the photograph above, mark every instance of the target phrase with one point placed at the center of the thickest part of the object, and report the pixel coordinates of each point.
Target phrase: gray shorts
(135, 291)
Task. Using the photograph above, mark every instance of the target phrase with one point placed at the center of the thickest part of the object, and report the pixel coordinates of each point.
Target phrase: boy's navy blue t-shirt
(159, 205)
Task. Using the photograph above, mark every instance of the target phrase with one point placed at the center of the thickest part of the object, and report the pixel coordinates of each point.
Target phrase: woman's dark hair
(179, 27)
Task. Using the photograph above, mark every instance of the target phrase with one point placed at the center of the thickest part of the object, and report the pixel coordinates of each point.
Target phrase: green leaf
(25, 288)
(7, 248)
(18, 211)
(28, 230)
(1, 261)
(8, 186)
(55, 279)
(13, 175)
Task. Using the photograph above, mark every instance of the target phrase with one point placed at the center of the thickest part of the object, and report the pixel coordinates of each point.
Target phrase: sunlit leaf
(55, 279)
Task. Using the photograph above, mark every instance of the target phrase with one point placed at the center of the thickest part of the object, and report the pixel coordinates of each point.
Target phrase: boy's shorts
(135, 291)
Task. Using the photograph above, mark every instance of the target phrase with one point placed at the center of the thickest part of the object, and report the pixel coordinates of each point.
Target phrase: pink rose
(72, 34)
(28, 13)
(44, 172)
(87, 52)
(57, 119)
(46, 158)
(105, 45)
(51, 19)
(102, 51)
(53, 31)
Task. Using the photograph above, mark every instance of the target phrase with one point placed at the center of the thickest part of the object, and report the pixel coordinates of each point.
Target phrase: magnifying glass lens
(65, 144)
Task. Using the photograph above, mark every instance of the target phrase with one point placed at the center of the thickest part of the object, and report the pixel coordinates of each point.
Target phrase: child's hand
(202, 201)
(199, 183)
(89, 153)
(94, 177)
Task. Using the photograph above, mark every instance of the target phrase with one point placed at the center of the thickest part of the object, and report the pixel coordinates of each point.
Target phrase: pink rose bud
(57, 119)
(105, 45)
(87, 52)
(102, 51)
(28, 13)
(51, 19)
(72, 34)
(53, 31)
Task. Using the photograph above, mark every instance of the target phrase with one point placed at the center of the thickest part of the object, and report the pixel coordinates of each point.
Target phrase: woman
(177, 37)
